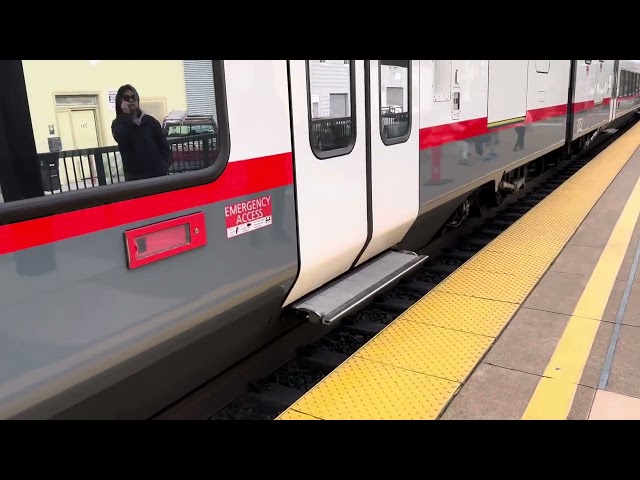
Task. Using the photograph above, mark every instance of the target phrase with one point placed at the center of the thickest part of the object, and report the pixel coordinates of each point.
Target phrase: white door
(600, 82)
(508, 82)
(614, 90)
(395, 154)
(330, 168)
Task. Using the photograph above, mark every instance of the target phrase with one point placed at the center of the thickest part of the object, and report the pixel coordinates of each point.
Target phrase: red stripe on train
(239, 178)
(589, 104)
(629, 97)
(440, 134)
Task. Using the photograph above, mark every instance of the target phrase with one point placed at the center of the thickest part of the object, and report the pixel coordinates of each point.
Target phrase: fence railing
(331, 133)
(395, 125)
(91, 167)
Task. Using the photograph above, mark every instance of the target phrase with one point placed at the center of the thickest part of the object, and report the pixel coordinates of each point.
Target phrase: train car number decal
(248, 216)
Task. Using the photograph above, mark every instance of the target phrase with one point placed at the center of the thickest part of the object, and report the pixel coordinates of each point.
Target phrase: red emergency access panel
(161, 240)
(245, 217)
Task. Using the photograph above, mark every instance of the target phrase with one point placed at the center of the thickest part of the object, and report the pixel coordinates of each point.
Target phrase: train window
(395, 100)
(87, 127)
(624, 83)
(331, 102)
(542, 66)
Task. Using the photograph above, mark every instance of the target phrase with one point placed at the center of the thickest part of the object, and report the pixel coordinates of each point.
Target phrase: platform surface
(545, 338)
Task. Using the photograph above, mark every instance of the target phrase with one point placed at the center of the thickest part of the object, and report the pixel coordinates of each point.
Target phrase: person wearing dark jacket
(143, 146)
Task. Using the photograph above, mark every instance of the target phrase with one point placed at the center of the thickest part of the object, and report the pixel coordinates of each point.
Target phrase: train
(316, 190)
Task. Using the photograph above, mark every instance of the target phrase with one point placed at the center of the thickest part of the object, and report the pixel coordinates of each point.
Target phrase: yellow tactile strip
(412, 369)
(293, 415)
(362, 389)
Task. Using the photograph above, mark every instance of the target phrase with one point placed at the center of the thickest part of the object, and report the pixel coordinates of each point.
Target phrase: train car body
(478, 119)
(122, 296)
(627, 98)
(591, 99)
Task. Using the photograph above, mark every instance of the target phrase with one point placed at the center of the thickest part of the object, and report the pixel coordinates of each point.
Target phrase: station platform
(554, 334)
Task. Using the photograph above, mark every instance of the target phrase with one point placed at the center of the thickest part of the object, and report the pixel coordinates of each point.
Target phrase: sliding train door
(328, 125)
(394, 133)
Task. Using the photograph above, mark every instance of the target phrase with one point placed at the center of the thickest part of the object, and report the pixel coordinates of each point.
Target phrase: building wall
(326, 78)
(394, 77)
(159, 80)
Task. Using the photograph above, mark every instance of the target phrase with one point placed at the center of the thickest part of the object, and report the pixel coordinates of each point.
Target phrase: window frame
(48, 205)
(339, 152)
(405, 137)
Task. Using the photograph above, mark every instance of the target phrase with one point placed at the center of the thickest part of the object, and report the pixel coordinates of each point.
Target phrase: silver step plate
(352, 291)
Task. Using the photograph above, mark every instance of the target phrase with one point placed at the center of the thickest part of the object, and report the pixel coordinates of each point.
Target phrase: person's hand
(125, 107)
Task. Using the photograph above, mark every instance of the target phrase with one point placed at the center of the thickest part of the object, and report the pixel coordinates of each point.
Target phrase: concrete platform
(512, 381)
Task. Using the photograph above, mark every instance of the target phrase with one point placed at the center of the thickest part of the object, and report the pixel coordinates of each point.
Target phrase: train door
(328, 123)
(600, 83)
(507, 101)
(614, 90)
(394, 151)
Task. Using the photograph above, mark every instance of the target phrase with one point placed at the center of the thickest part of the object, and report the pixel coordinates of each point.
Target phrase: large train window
(331, 102)
(84, 132)
(395, 100)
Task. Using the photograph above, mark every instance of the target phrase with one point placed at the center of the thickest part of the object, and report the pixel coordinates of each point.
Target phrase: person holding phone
(143, 146)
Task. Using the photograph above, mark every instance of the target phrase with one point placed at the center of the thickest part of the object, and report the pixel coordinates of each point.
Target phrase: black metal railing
(91, 167)
(395, 125)
(331, 133)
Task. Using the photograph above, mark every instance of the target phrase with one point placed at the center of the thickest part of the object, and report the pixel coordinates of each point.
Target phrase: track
(283, 380)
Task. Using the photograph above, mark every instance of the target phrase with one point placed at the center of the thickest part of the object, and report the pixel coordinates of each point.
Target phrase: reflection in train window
(624, 84)
(331, 97)
(103, 122)
(395, 101)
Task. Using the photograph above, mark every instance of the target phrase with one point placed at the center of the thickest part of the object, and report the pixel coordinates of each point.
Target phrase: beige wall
(153, 79)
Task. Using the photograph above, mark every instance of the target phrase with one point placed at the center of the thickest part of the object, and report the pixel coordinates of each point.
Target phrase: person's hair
(119, 95)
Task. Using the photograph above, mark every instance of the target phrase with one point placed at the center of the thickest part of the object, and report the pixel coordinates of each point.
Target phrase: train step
(356, 289)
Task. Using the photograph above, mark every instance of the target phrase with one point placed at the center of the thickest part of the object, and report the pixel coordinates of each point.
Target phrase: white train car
(309, 190)
(591, 96)
(480, 121)
(628, 88)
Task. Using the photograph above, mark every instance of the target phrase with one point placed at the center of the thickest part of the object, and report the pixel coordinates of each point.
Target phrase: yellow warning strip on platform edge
(556, 389)
(412, 369)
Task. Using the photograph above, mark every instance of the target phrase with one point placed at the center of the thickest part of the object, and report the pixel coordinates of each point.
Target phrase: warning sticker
(247, 216)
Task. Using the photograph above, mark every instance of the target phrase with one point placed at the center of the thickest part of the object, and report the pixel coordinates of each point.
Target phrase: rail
(68, 170)
(395, 125)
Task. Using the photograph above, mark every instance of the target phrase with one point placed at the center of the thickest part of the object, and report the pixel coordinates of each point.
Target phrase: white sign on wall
(111, 95)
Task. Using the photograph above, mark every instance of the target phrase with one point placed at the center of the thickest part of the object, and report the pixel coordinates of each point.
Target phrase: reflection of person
(520, 142)
(143, 146)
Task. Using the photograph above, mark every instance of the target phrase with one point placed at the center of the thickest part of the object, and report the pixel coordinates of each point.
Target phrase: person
(143, 146)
